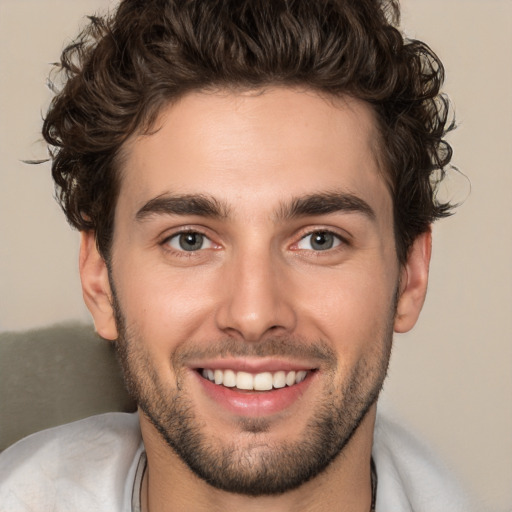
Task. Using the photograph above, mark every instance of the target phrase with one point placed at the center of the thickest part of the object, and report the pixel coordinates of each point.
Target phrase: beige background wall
(451, 378)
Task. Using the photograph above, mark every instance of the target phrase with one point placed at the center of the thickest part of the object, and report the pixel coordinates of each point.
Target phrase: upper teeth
(258, 382)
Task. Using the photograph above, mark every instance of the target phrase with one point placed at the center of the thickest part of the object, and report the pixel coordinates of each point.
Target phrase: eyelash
(341, 241)
(165, 243)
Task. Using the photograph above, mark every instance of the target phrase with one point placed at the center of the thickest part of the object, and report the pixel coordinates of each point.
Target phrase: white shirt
(97, 464)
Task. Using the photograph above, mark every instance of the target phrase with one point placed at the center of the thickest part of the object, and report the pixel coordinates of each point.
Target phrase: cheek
(352, 307)
(164, 307)
(347, 306)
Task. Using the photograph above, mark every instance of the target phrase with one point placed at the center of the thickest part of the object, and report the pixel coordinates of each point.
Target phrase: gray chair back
(55, 375)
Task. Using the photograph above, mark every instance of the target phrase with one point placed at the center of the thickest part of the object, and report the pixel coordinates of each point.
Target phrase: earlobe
(413, 283)
(96, 287)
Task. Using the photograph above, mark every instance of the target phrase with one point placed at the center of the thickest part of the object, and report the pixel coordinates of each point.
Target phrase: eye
(189, 241)
(319, 241)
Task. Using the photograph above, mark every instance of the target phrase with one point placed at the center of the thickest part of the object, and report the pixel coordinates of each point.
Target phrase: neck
(169, 485)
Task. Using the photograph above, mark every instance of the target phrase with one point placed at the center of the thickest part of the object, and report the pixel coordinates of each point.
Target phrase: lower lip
(255, 404)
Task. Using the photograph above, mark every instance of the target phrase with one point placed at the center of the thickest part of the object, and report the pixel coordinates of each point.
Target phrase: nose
(256, 299)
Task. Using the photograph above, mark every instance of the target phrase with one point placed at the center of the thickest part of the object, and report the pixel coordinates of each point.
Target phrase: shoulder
(85, 462)
(410, 477)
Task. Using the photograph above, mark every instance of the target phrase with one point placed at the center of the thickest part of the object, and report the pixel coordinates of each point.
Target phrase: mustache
(286, 347)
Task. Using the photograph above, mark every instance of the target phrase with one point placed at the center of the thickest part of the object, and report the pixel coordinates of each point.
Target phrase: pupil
(322, 241)
(191, 241)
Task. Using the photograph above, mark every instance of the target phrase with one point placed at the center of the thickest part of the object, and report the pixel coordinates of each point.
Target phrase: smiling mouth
(244, 381)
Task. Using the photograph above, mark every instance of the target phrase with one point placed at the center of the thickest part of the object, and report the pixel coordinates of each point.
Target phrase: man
(253, 181)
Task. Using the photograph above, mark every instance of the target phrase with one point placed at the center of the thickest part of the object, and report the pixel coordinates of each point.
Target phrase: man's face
(256, 282)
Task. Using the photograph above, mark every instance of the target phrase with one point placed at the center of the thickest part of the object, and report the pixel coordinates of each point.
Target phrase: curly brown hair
(124, 68)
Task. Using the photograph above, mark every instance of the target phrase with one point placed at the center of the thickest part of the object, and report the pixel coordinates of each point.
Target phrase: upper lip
(253, 365)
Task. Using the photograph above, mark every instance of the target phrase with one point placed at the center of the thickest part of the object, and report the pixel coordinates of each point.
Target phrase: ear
(96, 287)
(413, 283)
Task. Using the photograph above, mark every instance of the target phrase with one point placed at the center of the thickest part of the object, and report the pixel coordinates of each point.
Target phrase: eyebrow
(206, 206)
(189, 204)
(325, 203)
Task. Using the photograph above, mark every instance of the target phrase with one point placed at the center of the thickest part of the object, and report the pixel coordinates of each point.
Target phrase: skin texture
(241, 169)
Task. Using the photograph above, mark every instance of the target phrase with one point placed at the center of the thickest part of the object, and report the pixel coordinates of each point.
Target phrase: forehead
(255, 149)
